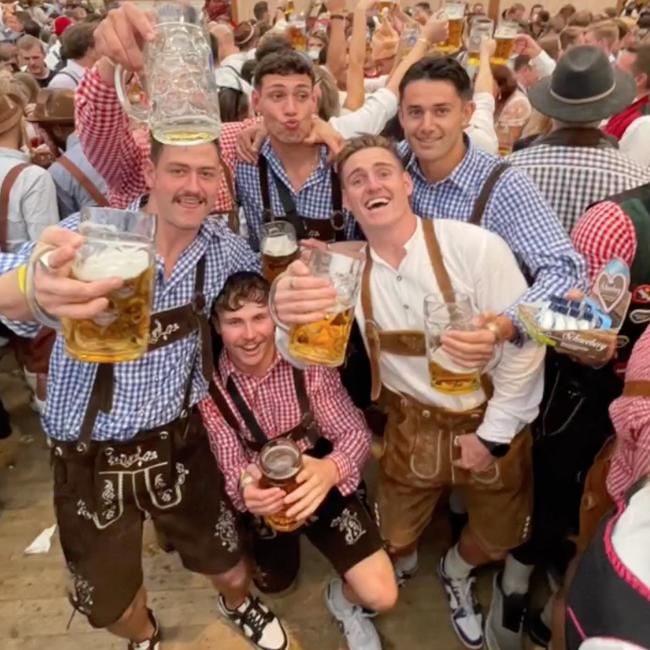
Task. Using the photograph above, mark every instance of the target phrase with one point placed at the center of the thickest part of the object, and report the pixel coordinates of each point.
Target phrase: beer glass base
(284, 526)
(107, 357)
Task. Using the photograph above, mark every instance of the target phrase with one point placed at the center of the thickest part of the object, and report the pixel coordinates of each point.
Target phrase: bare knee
(381, 595)
(138, 603)
(373, 582)
(235, 579)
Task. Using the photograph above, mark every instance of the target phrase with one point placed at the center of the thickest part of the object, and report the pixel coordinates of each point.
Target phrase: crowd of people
(510, 180)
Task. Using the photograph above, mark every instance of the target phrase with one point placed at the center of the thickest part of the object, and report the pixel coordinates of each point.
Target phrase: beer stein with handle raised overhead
(181, 103)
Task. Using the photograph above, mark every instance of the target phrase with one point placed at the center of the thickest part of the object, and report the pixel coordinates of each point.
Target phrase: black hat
(584, 87)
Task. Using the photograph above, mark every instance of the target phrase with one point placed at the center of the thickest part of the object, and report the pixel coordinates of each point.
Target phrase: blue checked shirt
(313, 199)
(516, 211)
(147, 392)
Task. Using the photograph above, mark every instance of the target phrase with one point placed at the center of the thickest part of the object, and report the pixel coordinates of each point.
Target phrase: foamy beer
(279, 247)
(505, 35)
(296, 32)
(480, 27)
(455, 14)
(444, 312)
(385, 6)
(280, 463)
(118, 244)
(324, 342)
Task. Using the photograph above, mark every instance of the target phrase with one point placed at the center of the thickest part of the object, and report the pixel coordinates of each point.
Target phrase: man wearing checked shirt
(127, 438)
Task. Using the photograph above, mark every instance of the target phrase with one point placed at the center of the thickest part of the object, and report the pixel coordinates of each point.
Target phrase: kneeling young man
(257, 396)
(445, 428)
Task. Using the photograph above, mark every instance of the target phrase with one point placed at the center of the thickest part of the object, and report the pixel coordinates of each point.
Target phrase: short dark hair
(271, 44)
(283, 64)
(240, 288)
(361, 142)
(77, 40)
(641, 63)
(259, 9)
(521, 61)
(439, 68)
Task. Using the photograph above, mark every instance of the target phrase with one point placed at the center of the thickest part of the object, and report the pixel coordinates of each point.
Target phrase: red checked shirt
(272, 398)
(118, 153)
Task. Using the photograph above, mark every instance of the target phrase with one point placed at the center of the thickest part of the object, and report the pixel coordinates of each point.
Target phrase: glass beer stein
(455, 14)
(180, 100)
(279, 247)
(504, 35)
(480, 28)
(118, 244)
(385, 6)
(444, 312)
(280, 463)
(324, 342)
(297, 33)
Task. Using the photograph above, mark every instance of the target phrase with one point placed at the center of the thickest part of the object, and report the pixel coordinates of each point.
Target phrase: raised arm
(355, 76)
(338, 46)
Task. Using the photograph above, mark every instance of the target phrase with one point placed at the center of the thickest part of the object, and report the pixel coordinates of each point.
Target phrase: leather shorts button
(426, 413)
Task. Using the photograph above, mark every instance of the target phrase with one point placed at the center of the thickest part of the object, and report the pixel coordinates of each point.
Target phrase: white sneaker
(466, 616)
(150, 644)
(257, 623)
(405, 568)
(355, 624)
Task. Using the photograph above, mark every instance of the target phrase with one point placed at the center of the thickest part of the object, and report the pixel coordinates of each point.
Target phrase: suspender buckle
(372, 332)
(337, 220)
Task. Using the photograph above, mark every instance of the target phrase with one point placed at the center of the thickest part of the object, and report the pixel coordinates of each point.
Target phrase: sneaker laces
(255, 618)
(464, 594)
(353, 624)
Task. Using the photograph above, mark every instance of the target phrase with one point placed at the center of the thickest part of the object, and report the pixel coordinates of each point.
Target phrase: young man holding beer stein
(126, 437)
(454, 419)
(291, 446)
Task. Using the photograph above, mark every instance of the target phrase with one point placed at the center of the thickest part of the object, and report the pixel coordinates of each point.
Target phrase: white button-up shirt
(481, 266)
(32, 200)
(68, 77)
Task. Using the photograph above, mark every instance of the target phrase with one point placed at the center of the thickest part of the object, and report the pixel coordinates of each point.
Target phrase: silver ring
(44, 261)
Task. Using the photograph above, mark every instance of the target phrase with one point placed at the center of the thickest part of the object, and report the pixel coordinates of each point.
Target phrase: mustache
(189, 195)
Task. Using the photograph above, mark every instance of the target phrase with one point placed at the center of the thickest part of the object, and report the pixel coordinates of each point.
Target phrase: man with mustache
(99, 414)
(444, 428)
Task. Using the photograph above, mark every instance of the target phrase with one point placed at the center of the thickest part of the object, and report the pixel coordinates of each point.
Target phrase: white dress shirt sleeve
(481, 126)
(543, 64)
(635, 141)
(371, 118)
(518, 377)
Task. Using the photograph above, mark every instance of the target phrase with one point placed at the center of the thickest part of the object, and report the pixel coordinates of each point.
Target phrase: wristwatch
(497, 449)
(493, 327)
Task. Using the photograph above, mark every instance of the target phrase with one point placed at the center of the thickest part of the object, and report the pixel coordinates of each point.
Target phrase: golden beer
(455, 38)
(385, 5)
(279, 247)
(297, 35)
(274, 265)
(504, 36)
(280, 463)
(121, 331)
(453, 383)
(323, 342)
(289, 9)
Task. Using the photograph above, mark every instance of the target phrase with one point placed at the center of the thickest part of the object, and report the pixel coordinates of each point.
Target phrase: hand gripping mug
(181, 104)
(324, 342)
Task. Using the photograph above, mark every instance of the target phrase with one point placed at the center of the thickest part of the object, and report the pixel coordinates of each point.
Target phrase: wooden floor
(34, 611)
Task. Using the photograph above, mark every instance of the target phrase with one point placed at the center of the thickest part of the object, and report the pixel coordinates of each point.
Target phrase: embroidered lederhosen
(103, 490)
(327, 229)
(419, 446)
(606, 599)
(341, 528)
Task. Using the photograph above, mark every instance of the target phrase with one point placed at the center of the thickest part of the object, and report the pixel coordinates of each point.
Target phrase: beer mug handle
(39, 257)
(135, 112)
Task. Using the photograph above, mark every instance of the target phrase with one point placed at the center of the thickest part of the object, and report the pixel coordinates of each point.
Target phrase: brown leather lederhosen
(307, 429)
(166, 328)
(33, 354)
(419, 445)
(327, 229)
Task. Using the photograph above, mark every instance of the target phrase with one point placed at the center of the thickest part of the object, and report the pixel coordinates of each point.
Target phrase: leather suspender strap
(301, 390)
(637, 388)
(222, 404)
(233, 213)
(247, 415)
(372, 331)
(486, 192)
(337, 194)
(5, 190)
(83, 180)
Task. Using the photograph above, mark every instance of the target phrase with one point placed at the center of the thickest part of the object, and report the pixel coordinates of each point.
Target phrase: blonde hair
(329, 104)
(604, 31)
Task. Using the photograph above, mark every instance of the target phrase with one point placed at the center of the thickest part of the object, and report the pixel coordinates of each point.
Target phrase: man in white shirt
(78, 48)
(27, 193)
(445, 428)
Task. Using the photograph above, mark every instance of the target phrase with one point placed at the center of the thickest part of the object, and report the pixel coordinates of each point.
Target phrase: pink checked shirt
(272, 398)
(118, 153)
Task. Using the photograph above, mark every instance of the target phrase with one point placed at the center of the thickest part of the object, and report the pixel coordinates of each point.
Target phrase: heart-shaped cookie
(610, 290)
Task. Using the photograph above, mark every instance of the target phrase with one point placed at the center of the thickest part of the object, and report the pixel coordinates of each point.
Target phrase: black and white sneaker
(504, 628)
(538, 632)
(257, 623)
(150, 644)
(466, 615)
